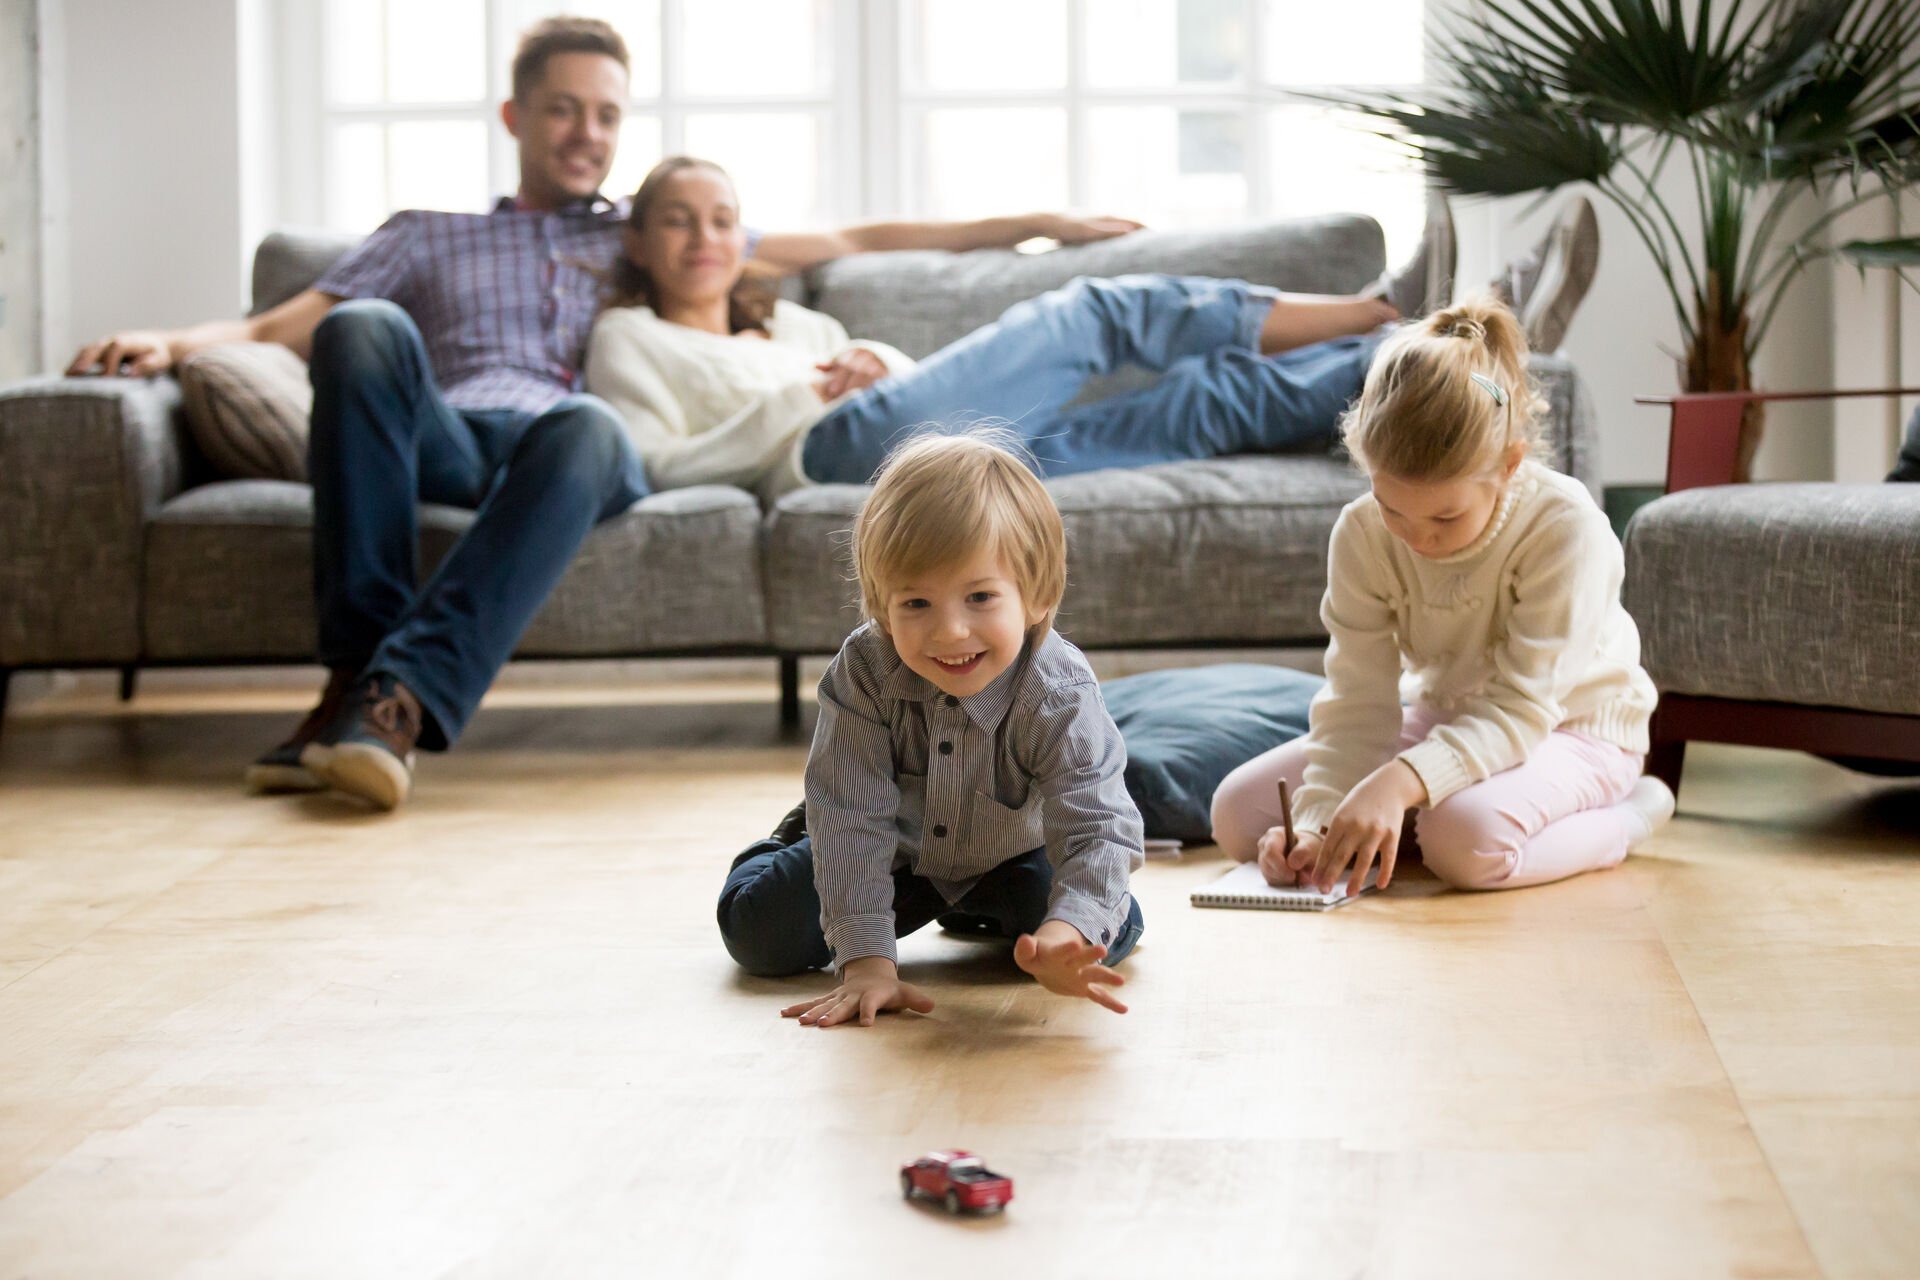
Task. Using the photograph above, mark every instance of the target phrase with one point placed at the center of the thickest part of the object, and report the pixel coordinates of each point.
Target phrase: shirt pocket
(996, 832)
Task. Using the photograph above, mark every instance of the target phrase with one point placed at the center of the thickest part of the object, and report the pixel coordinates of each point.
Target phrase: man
(445, 350)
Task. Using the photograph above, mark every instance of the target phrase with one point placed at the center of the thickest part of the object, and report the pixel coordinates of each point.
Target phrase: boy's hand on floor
(1067, 964)
(868, 987)
(1283, 867)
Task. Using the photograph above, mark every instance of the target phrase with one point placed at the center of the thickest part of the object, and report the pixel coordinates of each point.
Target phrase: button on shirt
(504, 300)
(901, 775)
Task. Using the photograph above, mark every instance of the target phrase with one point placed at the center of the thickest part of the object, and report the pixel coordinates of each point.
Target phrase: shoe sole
(369, 773)
(279, 779)
(1576, 256)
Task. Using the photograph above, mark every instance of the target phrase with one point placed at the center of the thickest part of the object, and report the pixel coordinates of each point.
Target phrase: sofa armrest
(84, 464)
(1570, 430)
(1703, 430)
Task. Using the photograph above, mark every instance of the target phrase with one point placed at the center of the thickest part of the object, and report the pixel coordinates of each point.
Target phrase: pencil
(1286, 816)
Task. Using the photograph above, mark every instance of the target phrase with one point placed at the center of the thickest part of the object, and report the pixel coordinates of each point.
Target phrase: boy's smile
(960, 626)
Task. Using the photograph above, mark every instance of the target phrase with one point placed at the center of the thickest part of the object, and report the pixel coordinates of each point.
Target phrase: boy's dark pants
(770, 913)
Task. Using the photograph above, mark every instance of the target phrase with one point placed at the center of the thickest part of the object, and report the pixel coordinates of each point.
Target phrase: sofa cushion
(229, 576)
(1228, 550)
(1801, 593)
(920, 301)
(1187, 728)
(248, 405)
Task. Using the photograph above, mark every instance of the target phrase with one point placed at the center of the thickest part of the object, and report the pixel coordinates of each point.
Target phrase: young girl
(1487, 588)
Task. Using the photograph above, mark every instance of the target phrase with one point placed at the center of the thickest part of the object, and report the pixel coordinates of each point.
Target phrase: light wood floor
(496, 1035)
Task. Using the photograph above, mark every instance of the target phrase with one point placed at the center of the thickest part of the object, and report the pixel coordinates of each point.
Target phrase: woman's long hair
(751, 301)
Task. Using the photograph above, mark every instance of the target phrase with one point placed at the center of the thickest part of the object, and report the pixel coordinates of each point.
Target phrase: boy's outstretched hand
(1067, 964)
(868, 986)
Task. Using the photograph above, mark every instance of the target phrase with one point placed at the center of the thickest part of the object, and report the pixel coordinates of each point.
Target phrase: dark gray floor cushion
(1187, 729)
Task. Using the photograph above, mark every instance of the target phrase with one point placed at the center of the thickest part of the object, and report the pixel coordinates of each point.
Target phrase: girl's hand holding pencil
(1281, 845)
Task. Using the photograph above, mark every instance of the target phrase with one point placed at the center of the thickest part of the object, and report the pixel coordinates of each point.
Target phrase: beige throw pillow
(248, 405)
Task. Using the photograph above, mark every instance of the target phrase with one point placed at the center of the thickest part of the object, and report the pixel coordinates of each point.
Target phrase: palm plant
(1762, 102)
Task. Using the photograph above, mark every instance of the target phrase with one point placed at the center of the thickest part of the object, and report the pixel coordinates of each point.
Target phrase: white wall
(145, 222)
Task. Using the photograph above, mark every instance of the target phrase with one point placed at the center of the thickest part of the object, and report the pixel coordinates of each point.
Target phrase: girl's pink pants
(1554, 816)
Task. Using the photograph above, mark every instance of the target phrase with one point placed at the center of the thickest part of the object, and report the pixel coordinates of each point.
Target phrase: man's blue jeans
(383, 440)
(769, 911)
(1217, 394)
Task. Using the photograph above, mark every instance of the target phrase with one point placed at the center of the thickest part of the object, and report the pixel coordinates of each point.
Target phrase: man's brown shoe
(372, 756)
(284, 768)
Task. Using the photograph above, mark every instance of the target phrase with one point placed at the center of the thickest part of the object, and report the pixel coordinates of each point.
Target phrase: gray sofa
(1775, 615)
(118, 549)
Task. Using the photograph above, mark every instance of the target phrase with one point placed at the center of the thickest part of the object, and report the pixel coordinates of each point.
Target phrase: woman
(721, 383)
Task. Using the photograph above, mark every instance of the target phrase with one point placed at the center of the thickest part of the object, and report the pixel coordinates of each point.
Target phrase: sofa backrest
(921, 301)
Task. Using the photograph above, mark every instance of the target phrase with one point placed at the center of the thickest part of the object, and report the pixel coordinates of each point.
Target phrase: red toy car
(957, 1179)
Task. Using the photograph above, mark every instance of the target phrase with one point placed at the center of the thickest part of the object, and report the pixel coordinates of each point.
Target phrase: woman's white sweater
(707, 408)
(1520, 634)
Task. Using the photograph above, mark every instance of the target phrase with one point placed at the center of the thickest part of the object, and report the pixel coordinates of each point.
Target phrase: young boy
(964, 766)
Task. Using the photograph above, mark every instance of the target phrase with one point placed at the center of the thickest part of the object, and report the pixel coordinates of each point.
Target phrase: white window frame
(871, 118)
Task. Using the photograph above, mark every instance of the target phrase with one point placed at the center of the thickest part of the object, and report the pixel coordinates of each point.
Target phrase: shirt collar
(595, 205)
(986, 708)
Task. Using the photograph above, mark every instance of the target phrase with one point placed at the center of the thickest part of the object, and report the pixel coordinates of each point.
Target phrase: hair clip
(1494, 389)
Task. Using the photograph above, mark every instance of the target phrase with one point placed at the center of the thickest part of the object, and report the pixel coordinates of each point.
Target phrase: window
(826, 111)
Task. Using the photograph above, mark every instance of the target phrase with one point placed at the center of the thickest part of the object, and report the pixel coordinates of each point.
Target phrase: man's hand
(1366, 826)
(138, 353)
(867, 987)
(852, 369)
(1069, 229)
(1065, 963)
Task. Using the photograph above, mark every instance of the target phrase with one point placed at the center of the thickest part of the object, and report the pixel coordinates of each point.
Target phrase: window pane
(639, 150)
(356, 176)
(992, 44)
(774, 160)
(1321, 163)
(637, 21)
(437, 164)
(1153, 43)
(1168, 166)
(356, 36)
(1355, 42)
(746, 48)
(436, 51)
(979, 162)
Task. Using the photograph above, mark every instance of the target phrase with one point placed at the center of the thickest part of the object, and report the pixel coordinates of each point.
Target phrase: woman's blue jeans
(383, 441)
(1217, 394)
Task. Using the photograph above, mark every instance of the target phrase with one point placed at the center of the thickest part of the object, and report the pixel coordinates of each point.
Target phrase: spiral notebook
(1245, 887)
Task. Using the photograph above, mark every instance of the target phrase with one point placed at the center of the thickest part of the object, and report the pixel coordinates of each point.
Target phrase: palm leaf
(1901, 252)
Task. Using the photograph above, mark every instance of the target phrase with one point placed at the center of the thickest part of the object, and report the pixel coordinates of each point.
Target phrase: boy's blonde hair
(939, 499)
(1447, 396)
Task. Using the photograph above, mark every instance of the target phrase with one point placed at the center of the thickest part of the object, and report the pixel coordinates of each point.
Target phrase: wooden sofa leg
(1664, 762)
(129, 682)
(789, 691)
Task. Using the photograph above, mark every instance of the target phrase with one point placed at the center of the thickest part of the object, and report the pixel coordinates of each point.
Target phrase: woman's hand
(1065, 963)
(867, 987)
(1366, 826)
(851, 370)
